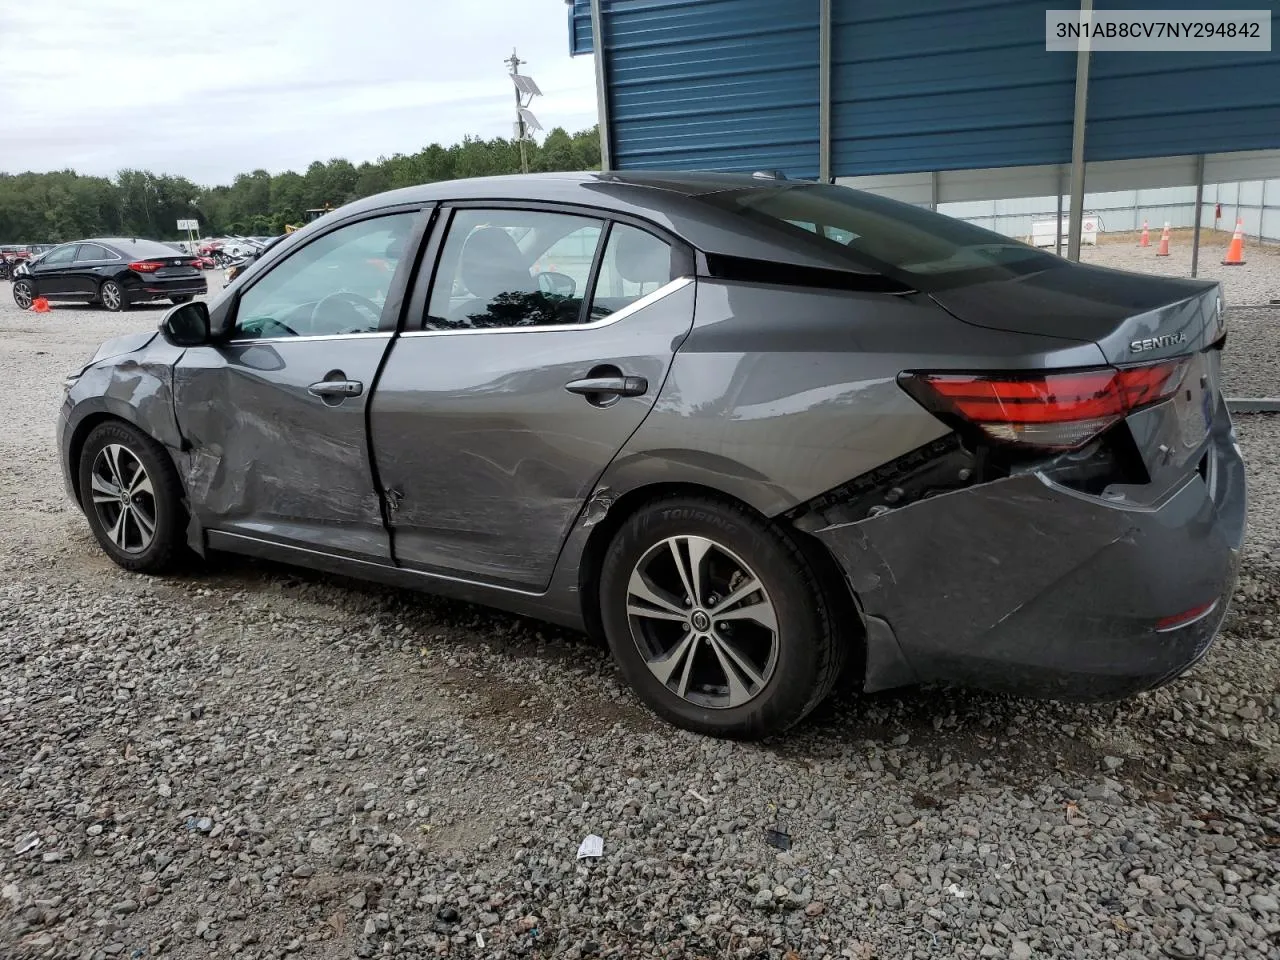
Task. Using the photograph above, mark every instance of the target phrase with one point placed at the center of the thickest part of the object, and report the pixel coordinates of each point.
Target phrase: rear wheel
(132, 496)
(717, 619)
(111, 296)
(23, 294)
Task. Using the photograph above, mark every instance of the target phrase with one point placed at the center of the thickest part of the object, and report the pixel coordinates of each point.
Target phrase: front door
(52, 273)
(276, 415)
(505, 399)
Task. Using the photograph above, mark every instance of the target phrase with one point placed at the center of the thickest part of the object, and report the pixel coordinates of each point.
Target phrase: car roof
(667, 199)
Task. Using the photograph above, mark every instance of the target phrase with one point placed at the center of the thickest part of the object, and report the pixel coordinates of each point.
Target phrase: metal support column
(1195, 232)
(1057, 221)
(602, 87)
(1262, 209)
(1077, 140)
(824, 91)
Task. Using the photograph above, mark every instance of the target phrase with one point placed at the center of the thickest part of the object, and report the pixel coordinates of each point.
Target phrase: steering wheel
(352, 300)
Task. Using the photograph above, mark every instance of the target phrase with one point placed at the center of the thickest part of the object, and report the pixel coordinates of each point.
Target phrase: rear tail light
(145, 266)
(1060, 411)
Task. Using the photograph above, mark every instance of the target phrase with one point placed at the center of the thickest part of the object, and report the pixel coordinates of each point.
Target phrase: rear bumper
(1026, 587)
(159, 290)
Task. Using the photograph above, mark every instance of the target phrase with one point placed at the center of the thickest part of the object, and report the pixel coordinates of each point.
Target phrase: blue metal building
(929, 100)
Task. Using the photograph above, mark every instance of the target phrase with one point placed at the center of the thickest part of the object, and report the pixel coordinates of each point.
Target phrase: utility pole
(525, 120)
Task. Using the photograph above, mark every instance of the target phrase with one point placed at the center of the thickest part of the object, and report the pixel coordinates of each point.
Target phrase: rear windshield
(146, 248)
(898, 239)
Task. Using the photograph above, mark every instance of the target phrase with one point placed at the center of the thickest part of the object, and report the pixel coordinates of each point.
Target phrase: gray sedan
(755, 433)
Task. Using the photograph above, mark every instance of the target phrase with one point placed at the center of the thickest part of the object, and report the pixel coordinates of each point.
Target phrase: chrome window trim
(670, 287)
(380, 334)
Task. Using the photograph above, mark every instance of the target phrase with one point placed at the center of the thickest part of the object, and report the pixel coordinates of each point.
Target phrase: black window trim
(392, 308)
(684, 267)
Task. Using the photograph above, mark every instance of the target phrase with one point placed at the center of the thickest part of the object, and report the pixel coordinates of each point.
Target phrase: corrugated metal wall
(580, 27)
(946, 85)
(714, 84)
(917, 85)
(1167, 104)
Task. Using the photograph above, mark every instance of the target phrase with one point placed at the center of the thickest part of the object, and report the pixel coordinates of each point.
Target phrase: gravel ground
(256, 762)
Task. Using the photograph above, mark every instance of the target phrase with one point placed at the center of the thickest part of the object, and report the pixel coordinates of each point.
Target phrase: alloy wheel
(703, 622)
(22, 294)
(124, 498)
(111, 296)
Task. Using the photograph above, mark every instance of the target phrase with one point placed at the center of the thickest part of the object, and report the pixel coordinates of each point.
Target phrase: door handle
(336, 388)
(615, 386)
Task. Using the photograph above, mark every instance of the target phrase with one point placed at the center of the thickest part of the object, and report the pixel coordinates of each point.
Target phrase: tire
(23, 294)
(114, 450)
(111, 295)
(787, 680)
(185, 298)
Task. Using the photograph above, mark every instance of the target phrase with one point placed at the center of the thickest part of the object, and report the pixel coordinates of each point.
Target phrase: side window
(512, 268)
(635, 263)
(90, 251)
(334, 285)
(61, 254)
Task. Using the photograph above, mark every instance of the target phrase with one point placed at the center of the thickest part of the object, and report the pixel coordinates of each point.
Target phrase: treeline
(63, 205)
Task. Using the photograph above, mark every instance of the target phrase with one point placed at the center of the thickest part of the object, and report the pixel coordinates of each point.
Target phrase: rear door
(92, 262)
(538, 350)
(276, 415)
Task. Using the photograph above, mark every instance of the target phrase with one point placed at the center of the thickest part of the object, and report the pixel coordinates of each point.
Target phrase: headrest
(493, 264)
(641, 257)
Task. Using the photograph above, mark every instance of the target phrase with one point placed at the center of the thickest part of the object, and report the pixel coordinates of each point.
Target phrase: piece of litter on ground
(29, 842)
(697, 796)
(778, 837)
(479, 939)
(591, 846)
(955, 891)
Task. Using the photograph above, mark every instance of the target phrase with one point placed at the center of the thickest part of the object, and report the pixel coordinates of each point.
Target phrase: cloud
(99, 85)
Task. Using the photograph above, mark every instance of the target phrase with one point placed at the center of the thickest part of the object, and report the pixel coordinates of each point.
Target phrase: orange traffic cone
(1235, 252)
(40, 305)
(1164, 242)
(1146, 235)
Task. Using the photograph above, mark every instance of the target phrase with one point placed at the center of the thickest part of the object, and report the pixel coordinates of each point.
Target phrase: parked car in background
(750, 431)
(12, 254)
(112, 272)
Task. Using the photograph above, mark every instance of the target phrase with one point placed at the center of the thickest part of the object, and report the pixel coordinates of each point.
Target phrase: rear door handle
(615, 386)
(336, 388)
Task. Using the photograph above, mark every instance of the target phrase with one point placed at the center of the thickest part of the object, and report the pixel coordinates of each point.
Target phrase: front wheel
(112, 296)
(718, 620)
(23, 294)
(132, 497)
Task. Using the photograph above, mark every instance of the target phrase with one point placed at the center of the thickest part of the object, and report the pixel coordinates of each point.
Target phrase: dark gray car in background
(753, 432)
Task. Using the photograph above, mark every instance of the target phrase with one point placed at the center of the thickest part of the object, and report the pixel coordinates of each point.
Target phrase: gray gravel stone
(479, 749)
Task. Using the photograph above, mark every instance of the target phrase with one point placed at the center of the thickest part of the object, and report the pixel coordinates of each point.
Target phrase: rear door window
(92, 251)
(503, 269)
(635, 264)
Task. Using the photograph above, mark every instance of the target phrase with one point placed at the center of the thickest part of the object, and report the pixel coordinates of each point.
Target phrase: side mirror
(557, 283)
(187, 325)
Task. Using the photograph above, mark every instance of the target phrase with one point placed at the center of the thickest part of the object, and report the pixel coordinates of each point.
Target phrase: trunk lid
(174, 267)
(1134, 319)
(1112, 308)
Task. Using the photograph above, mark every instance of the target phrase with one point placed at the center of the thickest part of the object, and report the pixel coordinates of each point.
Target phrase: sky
(207, 91)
